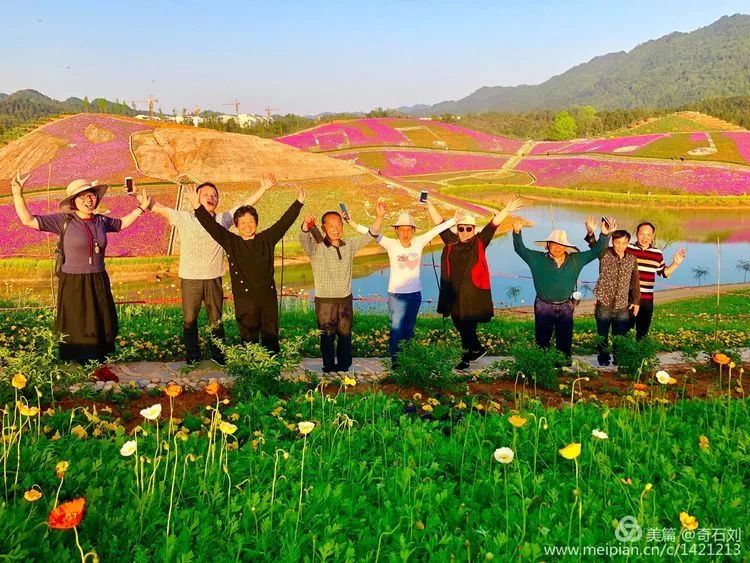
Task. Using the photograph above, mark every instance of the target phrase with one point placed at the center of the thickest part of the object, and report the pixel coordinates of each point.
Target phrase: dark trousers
(557, 318)
(618, 320)
(468, 332)
(258, 320)
(335, 317)
(402, 309)
(642, 321)
(194, 294)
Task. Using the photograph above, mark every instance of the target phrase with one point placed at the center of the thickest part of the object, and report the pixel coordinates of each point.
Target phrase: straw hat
(466, 219)
(405, 220)
(560, 237)
(78, 186)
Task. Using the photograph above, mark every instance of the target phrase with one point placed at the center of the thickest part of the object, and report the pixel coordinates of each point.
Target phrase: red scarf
(480, 272)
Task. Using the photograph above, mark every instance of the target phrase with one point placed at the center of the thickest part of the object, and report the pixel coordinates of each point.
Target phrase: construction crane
(269, 110)
(236, 105)
(151, 101)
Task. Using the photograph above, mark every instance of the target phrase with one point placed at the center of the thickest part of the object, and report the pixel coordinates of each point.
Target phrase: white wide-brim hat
(78, 186)
(466, 220)
(405, 220)
(560, 237)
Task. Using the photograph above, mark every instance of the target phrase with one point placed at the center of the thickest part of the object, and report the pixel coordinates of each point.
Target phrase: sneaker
(462, 365)
(474, 355)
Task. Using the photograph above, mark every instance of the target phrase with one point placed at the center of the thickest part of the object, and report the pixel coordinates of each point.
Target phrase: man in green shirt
(555, 273)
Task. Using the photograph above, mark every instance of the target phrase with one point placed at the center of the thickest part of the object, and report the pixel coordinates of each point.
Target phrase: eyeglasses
(86, 195)
(465, 228)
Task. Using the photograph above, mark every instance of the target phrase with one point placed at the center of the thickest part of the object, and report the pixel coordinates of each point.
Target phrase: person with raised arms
(465, 289)
(86, 314)
(202, 265)
(331, 262)
(555, 274)
(251, 267)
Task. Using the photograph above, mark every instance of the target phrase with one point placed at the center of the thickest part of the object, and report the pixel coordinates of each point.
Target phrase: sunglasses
(465, 228)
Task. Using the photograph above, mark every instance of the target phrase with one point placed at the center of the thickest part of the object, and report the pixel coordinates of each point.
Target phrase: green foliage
(635, 358)
(427, 367)
(564, 127)
(540, 365)
(255, 369)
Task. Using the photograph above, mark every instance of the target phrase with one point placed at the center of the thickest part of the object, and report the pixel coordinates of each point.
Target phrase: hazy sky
(325, 55)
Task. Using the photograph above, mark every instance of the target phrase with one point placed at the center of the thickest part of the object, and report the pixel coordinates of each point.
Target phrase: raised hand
(590, 224)
(267, 181)
(679, 256)
(308, 222)
(17, 183)
(518, 223)
(514, 204)
(193, 197)
(144, 200)
(301, 194)
(381, 209)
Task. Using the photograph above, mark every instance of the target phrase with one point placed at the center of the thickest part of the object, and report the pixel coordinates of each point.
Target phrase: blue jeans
(402, 309)
(618, 319)
(554, 318)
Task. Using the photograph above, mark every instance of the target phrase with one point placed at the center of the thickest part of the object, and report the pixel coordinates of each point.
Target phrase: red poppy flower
(67, 515)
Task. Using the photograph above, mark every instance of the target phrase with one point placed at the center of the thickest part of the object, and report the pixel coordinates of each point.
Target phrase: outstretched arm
(514, 204)
(144, 203)
(601, 245)
(679, 256)
(518, 245)
(277, 230)
(19, 202)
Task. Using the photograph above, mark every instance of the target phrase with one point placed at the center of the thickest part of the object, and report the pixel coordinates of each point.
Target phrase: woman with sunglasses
(465, 292)
(86, 314)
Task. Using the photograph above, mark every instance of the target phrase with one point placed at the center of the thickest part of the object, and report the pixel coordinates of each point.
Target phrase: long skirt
(86, 316)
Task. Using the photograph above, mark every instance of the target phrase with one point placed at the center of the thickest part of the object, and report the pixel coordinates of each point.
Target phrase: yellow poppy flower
(227, 427)
(61, 468)
(688, 522)
(305, 427)
(32, 495)
(517, 421)
(18, 381)
(571, 451)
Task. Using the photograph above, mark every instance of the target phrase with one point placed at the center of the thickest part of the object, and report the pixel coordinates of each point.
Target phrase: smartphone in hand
(129, 186)
(605, 221)
(344, 211)
(423, 198)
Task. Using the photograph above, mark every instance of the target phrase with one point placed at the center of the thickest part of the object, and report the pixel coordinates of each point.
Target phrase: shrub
(635, 357)
(430, 367)
(539, 365)
(255, 369)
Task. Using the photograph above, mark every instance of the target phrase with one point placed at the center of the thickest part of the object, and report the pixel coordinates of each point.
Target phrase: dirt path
(586, 307)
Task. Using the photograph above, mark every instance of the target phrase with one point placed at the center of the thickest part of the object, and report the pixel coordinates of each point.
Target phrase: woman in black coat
(465, 292)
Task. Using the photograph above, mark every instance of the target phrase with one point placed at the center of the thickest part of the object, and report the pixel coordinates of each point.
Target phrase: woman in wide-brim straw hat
(465, 292)
(555, 273)
(404, 283)
(86, 314)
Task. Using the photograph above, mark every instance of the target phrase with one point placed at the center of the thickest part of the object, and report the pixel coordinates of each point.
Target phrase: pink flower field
(410, 163)
(146, 237)
(618, 145)
(581, 171)
(742, 140)
(383, 132)
(106, 161)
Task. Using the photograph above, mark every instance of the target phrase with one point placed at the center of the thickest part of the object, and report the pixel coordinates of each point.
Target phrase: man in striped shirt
(650, 263)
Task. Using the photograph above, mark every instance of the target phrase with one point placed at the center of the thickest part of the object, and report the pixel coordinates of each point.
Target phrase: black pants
(642, 321)
(618, 320)
(557, 318)
(194, 294)
(335, 317)
(468, 332)
(258, 320)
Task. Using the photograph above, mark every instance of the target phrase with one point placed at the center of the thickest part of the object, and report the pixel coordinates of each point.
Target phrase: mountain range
(674, 70)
